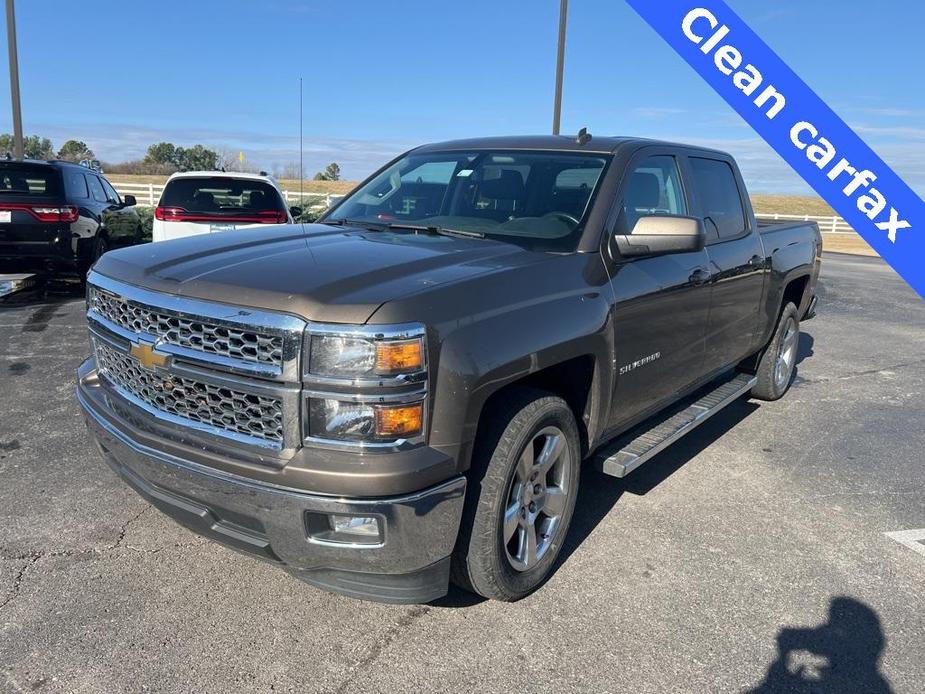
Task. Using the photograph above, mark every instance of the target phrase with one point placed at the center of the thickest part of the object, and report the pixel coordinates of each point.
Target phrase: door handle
(756, 261)
(699, 276)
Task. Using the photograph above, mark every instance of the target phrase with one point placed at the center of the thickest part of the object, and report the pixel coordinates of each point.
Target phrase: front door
(661, 303)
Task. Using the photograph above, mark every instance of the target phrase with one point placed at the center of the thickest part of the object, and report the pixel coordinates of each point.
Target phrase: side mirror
(660, 234)
(129, 201)
(295, 212)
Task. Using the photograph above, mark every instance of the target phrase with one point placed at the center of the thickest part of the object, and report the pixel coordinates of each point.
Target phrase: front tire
(775, 370)
(526, 468)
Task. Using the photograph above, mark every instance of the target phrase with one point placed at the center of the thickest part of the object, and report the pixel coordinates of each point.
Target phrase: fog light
(362, 526)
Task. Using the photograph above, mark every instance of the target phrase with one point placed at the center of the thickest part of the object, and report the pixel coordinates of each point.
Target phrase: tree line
(162, 158)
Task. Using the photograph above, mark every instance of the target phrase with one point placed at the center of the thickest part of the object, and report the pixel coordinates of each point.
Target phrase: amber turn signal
(399, 422)
(399, 356)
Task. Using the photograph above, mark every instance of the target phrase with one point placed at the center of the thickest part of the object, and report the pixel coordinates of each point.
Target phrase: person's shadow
(839, 657)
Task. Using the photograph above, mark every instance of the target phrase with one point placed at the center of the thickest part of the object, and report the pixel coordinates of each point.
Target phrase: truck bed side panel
(793, 251)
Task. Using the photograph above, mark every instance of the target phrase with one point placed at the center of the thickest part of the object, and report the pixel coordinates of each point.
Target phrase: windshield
(536, 199)
(221, 195)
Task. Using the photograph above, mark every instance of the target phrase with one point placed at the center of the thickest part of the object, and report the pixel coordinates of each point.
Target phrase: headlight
(365, 384)
(339, 355)
(357, 421)
(369, 352)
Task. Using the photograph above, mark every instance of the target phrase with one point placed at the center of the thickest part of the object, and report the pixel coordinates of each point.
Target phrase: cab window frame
(638, 157)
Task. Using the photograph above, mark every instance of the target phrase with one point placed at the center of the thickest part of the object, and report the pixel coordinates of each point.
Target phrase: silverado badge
(147, 355)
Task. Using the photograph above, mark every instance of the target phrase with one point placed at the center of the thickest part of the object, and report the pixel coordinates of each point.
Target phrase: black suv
(60, 217)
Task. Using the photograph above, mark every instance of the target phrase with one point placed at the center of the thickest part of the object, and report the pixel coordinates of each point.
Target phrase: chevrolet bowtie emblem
(147, 355)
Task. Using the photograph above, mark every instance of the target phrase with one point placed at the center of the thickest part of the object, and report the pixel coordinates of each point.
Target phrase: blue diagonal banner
(818, 144)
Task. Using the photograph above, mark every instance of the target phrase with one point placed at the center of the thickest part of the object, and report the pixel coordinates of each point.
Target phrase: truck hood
(317, 272)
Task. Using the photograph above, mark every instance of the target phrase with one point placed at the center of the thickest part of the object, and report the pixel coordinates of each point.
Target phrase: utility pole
(560, 64)
(14, 79)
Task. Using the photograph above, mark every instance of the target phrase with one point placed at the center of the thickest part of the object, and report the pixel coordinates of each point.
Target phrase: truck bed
(779, 234)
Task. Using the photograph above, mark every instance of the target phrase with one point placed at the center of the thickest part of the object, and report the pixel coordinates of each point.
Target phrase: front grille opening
(198, 335)
(219, 407)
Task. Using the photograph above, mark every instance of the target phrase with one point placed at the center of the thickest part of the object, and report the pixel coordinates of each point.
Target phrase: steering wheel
(567, 218)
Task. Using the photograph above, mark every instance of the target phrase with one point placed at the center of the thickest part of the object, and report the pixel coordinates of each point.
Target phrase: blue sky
(381, 77)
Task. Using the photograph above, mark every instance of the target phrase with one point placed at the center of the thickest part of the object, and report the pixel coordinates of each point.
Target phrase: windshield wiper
(431, 229)
(371, 226)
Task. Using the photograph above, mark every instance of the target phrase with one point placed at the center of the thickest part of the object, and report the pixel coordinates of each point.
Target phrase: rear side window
(654, 188)
(719, 195)
(96, 188)
(75, 183)
(27, 179)
(213, 195)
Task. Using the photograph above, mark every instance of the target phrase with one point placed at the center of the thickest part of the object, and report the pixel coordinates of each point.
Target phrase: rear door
(736, 258)
(661, 302)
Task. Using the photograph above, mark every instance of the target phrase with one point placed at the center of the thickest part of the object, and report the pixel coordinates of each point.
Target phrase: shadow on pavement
(599, 493)
(805, 347)
(51, 290)
(839, 657)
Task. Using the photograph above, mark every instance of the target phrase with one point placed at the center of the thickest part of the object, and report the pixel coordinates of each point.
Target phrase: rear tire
(522, 489)
(775, 370)
(97, 247)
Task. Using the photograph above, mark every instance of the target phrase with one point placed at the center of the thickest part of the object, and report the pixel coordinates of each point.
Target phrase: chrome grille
(190, 333)
(216, 406)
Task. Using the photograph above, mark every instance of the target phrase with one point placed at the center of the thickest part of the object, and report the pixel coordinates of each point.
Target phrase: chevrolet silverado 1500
(405, 392)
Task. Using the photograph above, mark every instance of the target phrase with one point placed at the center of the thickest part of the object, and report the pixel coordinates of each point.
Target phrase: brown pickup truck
(405, 392)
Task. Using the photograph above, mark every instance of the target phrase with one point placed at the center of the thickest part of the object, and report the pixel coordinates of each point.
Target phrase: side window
(76, 185)
(111, 194)
(719, 195)
(654, 187)
(96, 188)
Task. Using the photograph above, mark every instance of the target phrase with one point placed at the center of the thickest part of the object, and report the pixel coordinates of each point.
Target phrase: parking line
(913, 539)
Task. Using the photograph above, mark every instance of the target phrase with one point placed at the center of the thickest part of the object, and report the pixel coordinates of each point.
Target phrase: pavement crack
(17, 581)
(403, 622)
(125, 526)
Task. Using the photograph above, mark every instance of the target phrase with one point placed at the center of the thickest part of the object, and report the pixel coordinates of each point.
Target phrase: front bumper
(408, 564)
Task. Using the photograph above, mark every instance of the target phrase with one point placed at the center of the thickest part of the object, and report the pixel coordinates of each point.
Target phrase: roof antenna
(584, 137)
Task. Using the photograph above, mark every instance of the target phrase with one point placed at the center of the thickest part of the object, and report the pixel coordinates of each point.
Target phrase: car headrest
(508, 186)
(644, 190)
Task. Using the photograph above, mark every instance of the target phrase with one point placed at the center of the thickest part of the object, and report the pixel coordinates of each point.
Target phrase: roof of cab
(562, 143)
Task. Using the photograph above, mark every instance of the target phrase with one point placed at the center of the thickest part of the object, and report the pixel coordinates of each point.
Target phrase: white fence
(149, 193)
(827, 225)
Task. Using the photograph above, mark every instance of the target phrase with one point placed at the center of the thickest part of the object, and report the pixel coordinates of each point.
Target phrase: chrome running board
(631, 450)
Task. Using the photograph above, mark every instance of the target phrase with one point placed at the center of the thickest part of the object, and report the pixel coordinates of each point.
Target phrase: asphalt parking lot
(751, 555)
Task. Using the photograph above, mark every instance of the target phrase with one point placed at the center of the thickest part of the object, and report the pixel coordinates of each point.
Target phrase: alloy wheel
(786, 354)
(537, 498)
